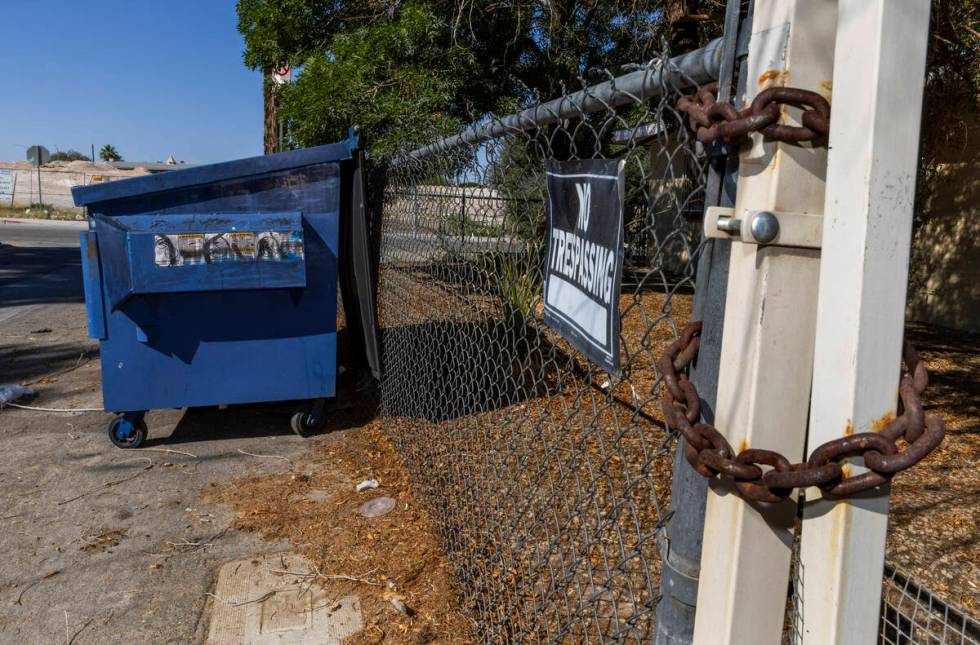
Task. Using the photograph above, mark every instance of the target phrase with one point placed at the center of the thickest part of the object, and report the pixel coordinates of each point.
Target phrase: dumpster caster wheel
(303, 424)
(126, 432)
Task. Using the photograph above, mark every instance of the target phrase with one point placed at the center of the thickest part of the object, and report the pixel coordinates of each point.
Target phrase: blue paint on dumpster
(216, 284)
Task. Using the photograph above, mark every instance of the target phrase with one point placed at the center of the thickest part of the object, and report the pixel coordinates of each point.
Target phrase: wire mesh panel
(911, 614)
(548, 478)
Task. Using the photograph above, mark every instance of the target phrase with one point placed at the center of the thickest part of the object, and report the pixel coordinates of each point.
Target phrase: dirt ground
(933, 530)
(394, 557)
(934, 516)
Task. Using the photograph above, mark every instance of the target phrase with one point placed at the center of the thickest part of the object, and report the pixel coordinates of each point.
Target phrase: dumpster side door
(92, 281)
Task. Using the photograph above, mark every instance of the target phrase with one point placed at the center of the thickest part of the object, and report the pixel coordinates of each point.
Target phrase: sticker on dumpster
(276, 245)
(243, 244)
(229, 247)
(188, 249)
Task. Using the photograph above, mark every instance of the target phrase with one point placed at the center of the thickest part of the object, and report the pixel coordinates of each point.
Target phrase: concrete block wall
(57, 179)
(944, 271)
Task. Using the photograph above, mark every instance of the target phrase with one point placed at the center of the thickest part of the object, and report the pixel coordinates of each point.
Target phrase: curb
(77, 224)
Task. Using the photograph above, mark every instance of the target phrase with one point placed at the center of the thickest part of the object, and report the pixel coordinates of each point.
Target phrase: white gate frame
(767, 347)
(871, 175)
(777, 318)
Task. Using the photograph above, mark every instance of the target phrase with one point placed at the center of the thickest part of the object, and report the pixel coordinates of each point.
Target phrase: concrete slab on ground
(272, 600)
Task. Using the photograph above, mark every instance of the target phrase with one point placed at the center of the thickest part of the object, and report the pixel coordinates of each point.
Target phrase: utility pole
(270, 136)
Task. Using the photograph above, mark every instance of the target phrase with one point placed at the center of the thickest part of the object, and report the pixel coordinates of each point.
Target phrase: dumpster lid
(123, 188)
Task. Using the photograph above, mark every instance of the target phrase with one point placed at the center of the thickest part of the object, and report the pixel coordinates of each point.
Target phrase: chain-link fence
(548, 478)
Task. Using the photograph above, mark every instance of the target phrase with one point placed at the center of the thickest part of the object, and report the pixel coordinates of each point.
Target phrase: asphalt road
(40, 232)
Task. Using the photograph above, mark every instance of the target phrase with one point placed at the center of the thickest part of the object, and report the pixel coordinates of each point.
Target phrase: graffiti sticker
(188, 249)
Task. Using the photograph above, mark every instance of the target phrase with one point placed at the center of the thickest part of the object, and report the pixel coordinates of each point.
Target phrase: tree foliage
(69, 155)
(952, 92)
(395, 78)
(279, 31)
(539, 46)
(407, 70)
(109, 153)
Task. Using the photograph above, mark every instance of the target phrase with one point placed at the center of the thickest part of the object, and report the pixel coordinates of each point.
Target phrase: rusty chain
(710, 453)
(712, 119)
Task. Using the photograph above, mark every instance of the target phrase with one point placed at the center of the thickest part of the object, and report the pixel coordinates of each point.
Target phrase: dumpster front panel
(230, 345)
(201, 252)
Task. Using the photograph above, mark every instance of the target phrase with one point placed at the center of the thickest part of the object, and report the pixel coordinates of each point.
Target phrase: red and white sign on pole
(282, 74)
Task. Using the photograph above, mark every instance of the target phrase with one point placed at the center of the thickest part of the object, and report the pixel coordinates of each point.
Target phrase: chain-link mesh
(547, 477)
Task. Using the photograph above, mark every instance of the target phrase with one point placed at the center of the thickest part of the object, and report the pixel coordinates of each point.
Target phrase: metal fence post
(767, 349)
(871, 177)
(684, 531)
(415, 209)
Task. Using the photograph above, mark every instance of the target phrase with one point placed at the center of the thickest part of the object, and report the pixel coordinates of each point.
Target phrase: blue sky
(150, 77)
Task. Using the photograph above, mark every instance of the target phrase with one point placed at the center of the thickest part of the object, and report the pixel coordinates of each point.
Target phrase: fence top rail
(696, 67)
(461, 195)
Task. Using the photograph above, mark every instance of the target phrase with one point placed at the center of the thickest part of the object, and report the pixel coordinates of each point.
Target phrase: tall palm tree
(109, 153)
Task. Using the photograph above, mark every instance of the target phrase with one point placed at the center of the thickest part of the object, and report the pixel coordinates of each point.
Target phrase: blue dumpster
(217, 284)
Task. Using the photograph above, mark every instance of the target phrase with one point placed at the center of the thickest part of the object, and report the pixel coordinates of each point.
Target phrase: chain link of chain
(713, 120)
(710, 454)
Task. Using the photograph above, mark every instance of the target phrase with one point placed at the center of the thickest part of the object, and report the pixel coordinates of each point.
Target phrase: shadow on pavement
(347, 410)
(23, 363)
(32, 275)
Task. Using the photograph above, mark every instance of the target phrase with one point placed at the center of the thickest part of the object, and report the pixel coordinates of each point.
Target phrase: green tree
(543, 46)
(109, 153)
(407, 70)
(403, 67)
(69, 155)
(282, 31)
(951, 110)
(394, 79)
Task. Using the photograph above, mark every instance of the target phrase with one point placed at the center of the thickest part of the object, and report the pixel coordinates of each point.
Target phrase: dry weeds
(314, 506)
